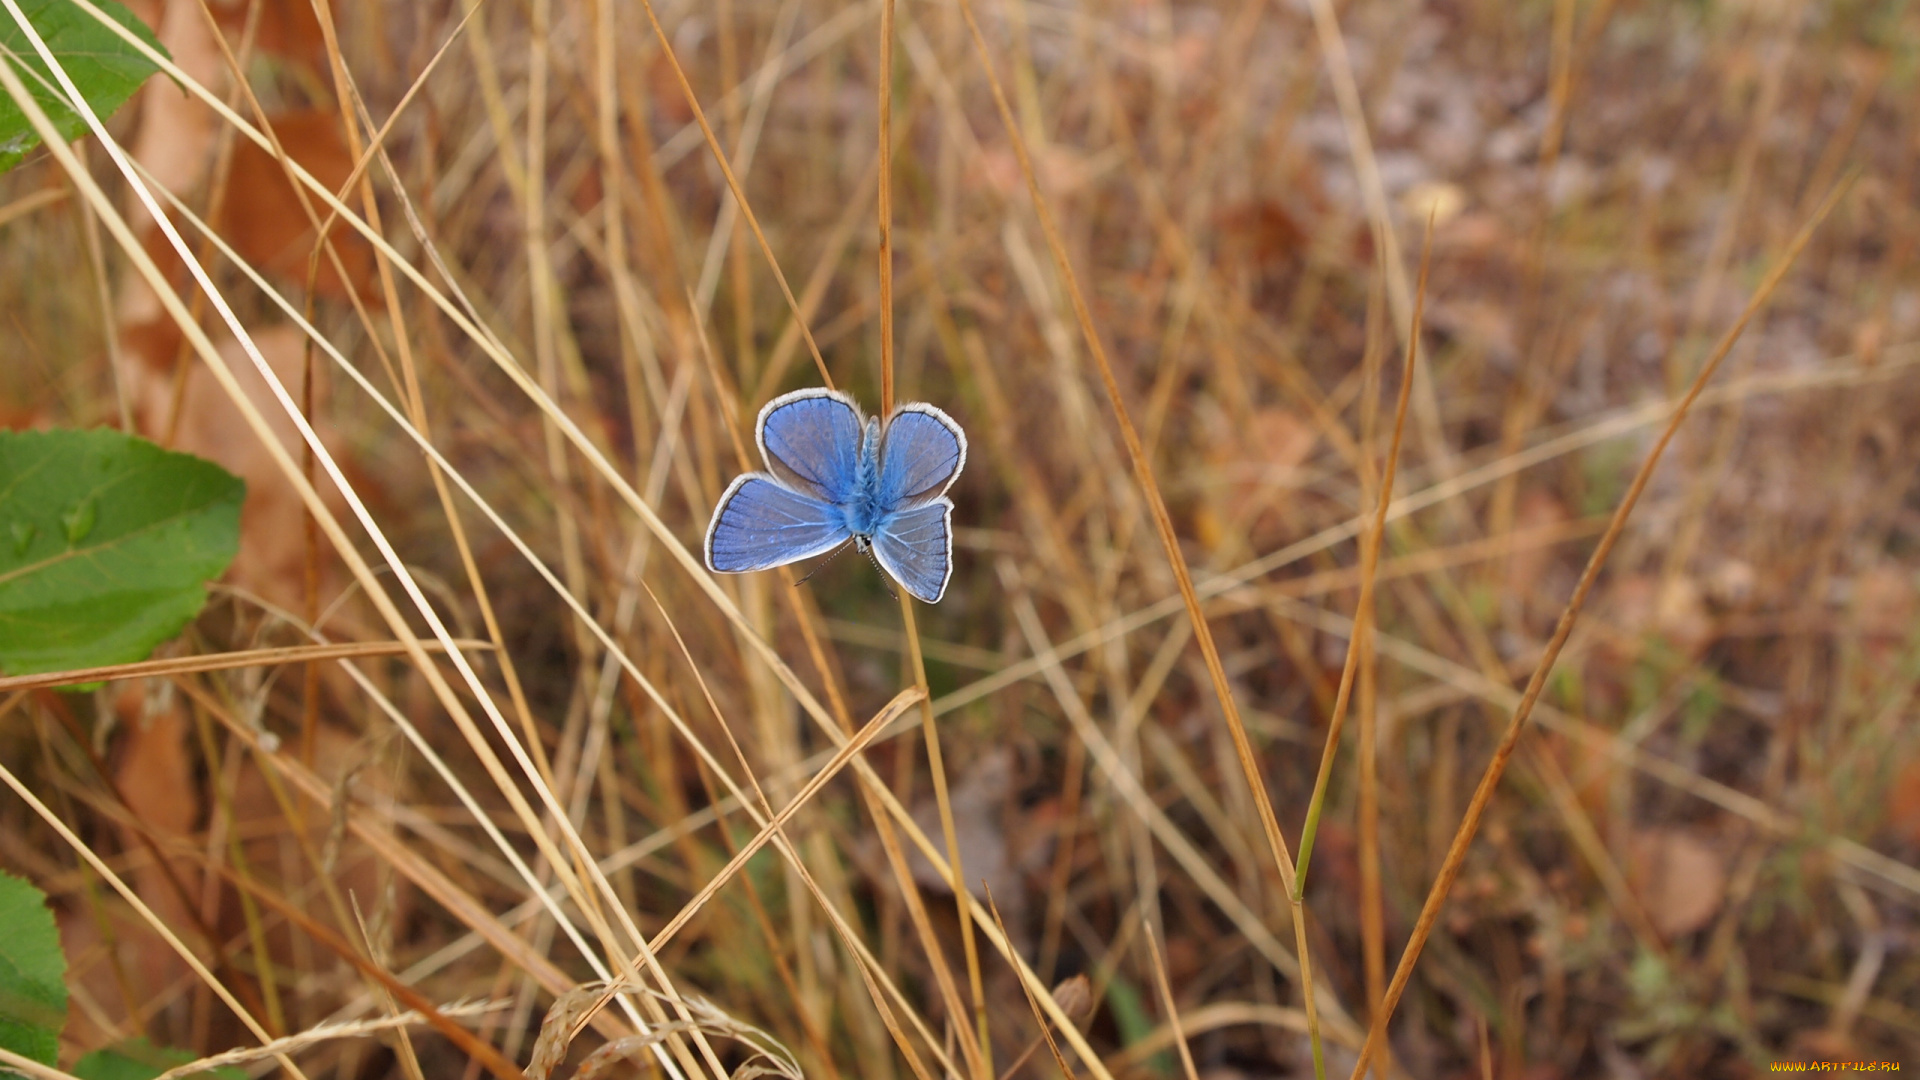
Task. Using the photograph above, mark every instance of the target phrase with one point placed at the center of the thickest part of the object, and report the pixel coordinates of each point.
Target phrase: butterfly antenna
(822, 564)
(885, 581)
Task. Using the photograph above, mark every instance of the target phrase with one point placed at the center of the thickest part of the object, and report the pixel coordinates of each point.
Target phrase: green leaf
(106, 545)
(103, 66)
(33, 974)
(1130, 1016)
(138, 1059)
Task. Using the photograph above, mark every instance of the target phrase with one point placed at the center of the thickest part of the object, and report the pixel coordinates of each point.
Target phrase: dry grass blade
(1486, 1048)
(27, 1066)
(329, 1032)
(1166, 1000)
(27, 204)
(187, 665)
(884, 200)
(1220, 1014)
(1490, 780)
(1370, 545)
(1075, 998)
(1046, 1031)
(1353, 120)
(982, 1061)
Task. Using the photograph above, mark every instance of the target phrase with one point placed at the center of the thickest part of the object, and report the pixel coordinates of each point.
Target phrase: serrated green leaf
(104, 68)
(33, 974)
(112, 542)
(138, 1059)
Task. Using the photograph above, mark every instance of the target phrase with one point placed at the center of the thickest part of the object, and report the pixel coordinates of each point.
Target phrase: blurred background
(1701, 860)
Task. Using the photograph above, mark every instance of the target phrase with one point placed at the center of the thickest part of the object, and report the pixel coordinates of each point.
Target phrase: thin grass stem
(1370, 544)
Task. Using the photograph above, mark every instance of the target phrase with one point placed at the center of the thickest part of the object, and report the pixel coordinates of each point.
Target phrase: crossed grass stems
(591, 891)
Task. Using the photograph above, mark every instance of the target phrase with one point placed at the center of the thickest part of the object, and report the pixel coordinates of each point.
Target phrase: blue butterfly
(833, 476)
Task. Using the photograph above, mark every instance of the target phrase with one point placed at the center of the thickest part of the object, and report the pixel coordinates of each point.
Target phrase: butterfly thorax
(863, 508)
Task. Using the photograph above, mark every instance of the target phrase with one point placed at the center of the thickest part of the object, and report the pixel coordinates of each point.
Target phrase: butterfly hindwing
(915, 545)
(811, 440)
(761, 523)
(921, 453)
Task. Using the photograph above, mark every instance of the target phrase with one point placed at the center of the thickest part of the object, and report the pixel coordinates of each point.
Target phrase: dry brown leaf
(1000, 842)
(153, 767)
(1261, 234)
(175, 135)
(288, 28)
(259, 213)
(1680, 879)
(979, 802)
(263, 219)
(272, 558)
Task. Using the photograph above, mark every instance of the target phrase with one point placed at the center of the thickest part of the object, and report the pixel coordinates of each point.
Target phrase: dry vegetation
(1700, 859)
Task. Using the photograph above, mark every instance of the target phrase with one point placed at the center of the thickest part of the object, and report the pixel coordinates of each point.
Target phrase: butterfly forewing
(811, 440)
(915, 545)
(761, 523)
(921, 454)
